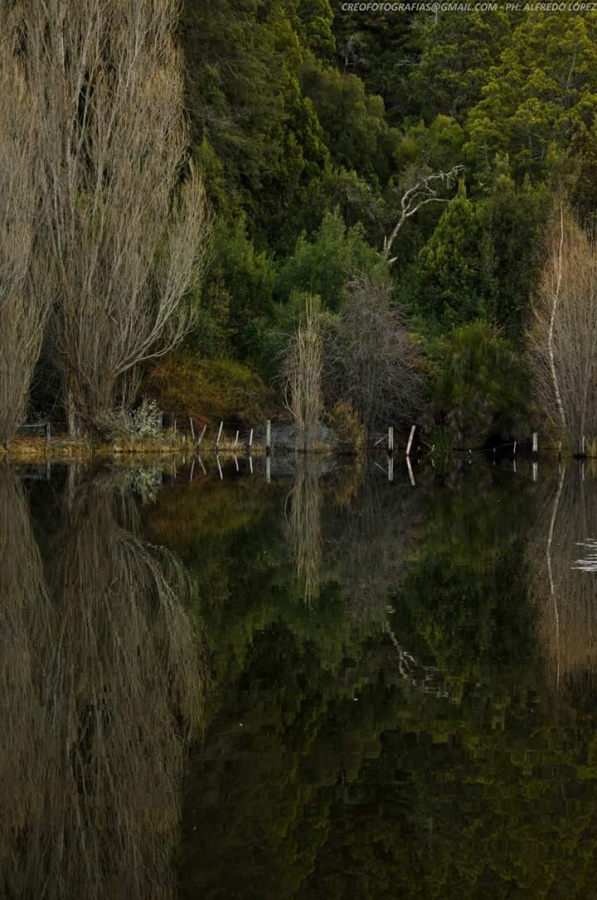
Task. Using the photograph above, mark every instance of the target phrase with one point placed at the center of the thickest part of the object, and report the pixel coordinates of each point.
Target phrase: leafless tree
(563, 338)
(22, 312)
(370, 358)
(424, 190)
(303, 373)
(125, 225)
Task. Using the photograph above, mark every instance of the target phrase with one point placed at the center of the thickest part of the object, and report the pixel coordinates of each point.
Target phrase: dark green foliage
(543, 91)
(455, 268)
(457, 52)
(479, 384)
(325, 264)
(309, 121)
(239, 286)
(483, 259)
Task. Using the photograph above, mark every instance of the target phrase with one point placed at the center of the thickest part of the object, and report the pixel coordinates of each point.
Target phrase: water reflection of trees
(328, 776)
(565, 595)
(108, 682)
(351, 528)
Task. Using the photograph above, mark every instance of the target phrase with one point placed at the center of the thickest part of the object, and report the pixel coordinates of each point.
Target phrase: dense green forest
(401, 174)
(310, 125)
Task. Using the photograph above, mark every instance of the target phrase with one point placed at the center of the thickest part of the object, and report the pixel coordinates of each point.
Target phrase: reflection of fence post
(410, 440)
(535, 471)
(268, 469)
(268, 437)
(390, 468)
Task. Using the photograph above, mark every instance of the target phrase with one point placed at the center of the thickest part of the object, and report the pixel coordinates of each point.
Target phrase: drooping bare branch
(122, 241)
(22, 313)
(426, 190)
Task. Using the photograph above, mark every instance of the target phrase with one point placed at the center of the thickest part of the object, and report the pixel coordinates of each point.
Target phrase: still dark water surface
(323, 686)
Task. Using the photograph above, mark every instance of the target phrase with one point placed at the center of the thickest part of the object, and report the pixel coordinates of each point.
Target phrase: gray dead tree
(425, 190)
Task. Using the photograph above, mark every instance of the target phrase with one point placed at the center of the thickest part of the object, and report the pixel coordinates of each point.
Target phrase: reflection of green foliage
(327, 771)
(463, 589)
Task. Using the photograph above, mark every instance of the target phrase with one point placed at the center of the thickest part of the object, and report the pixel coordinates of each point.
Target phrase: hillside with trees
(185, 207)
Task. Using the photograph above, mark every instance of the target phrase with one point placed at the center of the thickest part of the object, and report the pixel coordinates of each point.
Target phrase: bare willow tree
(563, 338)
(370, 358)
(22, 312)
(303, 373)
(125, 221)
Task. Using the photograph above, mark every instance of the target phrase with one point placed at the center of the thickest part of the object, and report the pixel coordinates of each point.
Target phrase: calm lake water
(321, 685)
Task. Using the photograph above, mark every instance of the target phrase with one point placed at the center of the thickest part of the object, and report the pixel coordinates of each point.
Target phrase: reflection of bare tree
(358, 540)
(120, 680)
(564, 592)
(304, 528)
(24, 619)
(424, 678)
(366, 544)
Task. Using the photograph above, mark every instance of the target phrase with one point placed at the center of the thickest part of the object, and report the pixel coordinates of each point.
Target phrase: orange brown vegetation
(209, 390)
